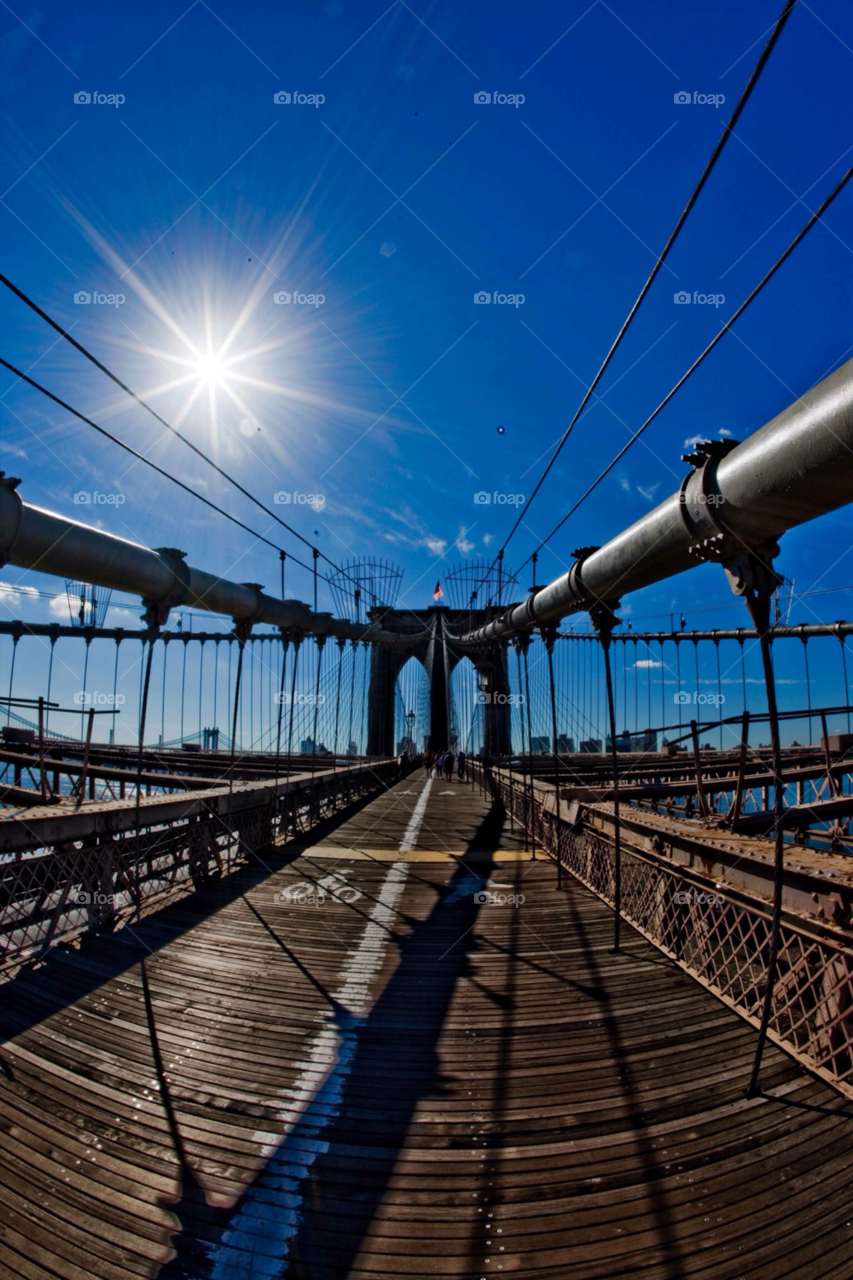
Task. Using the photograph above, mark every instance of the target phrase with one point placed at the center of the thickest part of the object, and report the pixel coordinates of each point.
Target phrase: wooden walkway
(347, 1063)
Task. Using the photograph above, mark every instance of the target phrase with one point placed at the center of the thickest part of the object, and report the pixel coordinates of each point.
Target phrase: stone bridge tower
(428, 635)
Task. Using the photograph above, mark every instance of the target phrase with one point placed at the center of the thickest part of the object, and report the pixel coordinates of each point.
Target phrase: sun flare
(210, 370)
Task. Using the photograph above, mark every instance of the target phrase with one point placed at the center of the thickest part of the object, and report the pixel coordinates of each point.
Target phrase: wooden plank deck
(345, 1064)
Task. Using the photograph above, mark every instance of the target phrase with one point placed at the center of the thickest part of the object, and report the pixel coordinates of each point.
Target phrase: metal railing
(716, 932)
(65, 872)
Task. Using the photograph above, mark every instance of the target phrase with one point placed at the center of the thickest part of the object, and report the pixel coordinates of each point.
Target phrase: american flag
(438, 594)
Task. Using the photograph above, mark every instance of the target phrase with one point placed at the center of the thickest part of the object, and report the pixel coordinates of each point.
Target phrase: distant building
(540, 746)
(635, 742)
(352, 749)
(565, 745)
(590, 746)
(406, 746)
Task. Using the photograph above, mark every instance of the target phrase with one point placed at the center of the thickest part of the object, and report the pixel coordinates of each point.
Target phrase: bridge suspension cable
(141, 458)
(696, 363)
(715, 155)
(144, 404)
(804, 449)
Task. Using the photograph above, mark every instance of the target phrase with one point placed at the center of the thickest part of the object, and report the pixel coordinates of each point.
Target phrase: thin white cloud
(463, 546)
(61, 606)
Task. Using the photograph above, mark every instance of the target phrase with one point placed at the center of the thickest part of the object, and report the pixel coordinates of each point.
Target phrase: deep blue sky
(105, 198)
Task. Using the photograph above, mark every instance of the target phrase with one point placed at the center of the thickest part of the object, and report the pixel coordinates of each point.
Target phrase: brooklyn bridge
(468, 916)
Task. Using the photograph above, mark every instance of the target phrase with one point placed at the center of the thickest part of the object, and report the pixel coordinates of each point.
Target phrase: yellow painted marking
(415, 855)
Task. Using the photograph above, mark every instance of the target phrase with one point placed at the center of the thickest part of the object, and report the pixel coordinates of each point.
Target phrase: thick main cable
(141, 458)
(695, 365)
(64, 333)
(727, 129)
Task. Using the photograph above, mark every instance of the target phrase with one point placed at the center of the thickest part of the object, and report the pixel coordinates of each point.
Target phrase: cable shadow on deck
(661, 1219)
(309, 1210)
(67, 974)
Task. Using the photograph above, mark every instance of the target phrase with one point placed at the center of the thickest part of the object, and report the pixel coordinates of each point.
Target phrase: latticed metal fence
(64, 874)
(715, 932)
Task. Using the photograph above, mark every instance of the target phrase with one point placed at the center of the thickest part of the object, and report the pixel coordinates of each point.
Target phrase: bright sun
(210, 370)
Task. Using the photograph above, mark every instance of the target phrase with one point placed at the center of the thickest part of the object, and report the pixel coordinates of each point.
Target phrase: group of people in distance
(442, 762)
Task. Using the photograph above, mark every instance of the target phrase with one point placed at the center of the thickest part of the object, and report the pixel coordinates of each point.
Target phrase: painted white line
(257, 1242)
(413, 829)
